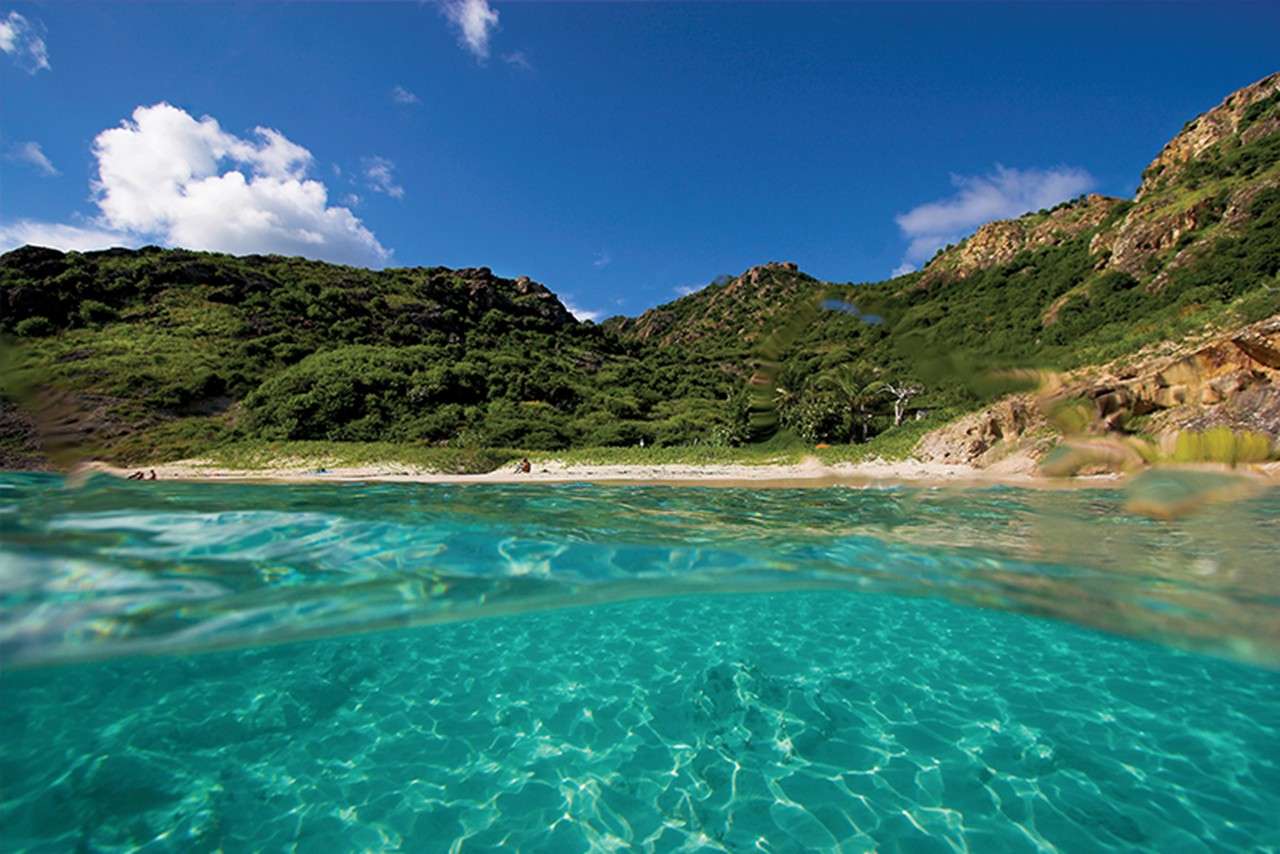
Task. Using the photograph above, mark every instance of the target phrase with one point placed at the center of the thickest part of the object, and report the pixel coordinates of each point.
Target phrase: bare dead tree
(901, 394)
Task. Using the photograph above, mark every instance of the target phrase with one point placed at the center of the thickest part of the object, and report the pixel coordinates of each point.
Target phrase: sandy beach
(809, 473)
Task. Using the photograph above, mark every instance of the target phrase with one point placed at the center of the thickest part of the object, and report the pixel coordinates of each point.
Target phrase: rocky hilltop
(733, 308)
(999, 242)
(1200, 187)
(1246, 116)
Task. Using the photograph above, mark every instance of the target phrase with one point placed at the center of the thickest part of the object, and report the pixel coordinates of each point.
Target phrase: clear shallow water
(861, 703)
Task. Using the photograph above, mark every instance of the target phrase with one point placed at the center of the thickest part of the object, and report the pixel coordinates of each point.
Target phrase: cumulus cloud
(583, 314)
(903, 268)
(475, 21)
(401, 95)
(686, 290)
(166, 177)
(379, 174)
(979, 199)
(33, 155)
(22, 41)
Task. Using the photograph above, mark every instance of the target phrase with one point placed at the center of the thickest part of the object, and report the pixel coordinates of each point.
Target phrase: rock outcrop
(1209, 129)
(1231, 381)
(983, 438)
(999, 242)
(1148, 231)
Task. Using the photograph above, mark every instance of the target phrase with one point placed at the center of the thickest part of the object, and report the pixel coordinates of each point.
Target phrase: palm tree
(858, 393)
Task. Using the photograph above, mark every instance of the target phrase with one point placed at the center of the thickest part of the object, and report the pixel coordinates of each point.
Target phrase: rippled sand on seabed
(414, 667)
(806, 721)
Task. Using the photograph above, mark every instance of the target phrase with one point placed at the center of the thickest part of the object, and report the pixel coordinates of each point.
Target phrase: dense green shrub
(352, 393)
(91, 312)
(34, 327)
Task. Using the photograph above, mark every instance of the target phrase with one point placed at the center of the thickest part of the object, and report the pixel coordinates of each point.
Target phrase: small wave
(115, 569)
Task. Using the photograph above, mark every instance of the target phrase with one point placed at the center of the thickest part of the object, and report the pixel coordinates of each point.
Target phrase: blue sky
(617, 152)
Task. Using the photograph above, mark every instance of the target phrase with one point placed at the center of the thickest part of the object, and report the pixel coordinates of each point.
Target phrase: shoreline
(810, 473)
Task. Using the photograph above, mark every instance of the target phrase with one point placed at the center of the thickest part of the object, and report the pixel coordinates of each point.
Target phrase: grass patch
(260, 455)
(783, 449)
(204, 440)
(892, 445)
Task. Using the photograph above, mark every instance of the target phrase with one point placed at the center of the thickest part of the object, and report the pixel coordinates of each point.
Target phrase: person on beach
(524, 466)
(152, 475)
(137, 475)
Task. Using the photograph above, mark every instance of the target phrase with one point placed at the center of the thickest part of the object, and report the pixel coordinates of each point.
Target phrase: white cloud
(165, 177)
(32, 154)
(518, 59)
(902, 269)
(379, 173)
(685, 290)
(979, 199)
(401, 95)
(475, 21)
(352, 200)
(580, 313)
(22, 40)
(60, 236)
(602, 260)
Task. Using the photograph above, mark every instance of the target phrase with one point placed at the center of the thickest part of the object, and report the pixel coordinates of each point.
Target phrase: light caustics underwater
(237, 667)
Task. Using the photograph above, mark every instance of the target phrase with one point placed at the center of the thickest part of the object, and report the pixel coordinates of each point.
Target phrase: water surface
(661, 669)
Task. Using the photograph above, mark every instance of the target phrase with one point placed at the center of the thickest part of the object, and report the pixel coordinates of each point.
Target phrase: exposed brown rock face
(1163, 215)
(998, 242)
(1237, 210)
(972, 440)
(1233, 381)
(1207, 130)
(1148, 231)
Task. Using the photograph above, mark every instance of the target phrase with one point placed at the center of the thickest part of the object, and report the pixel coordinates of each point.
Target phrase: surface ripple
(120, 568)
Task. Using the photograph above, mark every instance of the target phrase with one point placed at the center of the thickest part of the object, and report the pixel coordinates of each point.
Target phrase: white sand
(811, 472)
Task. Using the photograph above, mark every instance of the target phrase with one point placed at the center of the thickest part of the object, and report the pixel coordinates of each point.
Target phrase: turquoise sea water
(201, 667)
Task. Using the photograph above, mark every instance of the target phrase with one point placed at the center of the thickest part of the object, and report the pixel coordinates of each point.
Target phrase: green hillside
(161, 347)
(141, 355)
